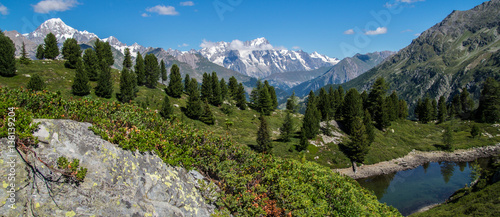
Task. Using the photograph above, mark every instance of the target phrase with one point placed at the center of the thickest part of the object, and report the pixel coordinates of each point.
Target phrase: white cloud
(187, 3)
(145, 15)
(47, 6)
(183, 45)
(378, 31)
(296, 47)
(410, 1)
(163, 10)
(396, 2)
(349, 32)
(3, 10)
(407, 30)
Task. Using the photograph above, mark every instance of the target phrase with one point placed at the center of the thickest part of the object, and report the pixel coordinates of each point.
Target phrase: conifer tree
(24, 56)
(265, 103)
(163, 72)
(426, 110)
(126, 87)
(303, 143)
(393, 106)
(448, 138)
(475, 131)
(286, 128)
(206, 87)
(71, 52)
(403, 109)
(193, 108)
(489, 102)
(233, 87)
(152, 71)
(291, 103)
(358, 146)
(223, 89)
(310, 124)
(140, 70)
(370, 129)
(364, 98)
(166, 109)
(263, 139)
(216, 98)
(51, 50)
(352, 109)
(207, 117)
(324, 105)
(127, 61)
(35, 83)
(339, 102)
(456, 106)
(467, 103)
(241, 100)
(81, 86)
(272, 94)
(40, 52)
(175, 84)
(104, 52)
(104, 86)
(442, 110)
(434, 109)
(187, 81)
(91, 64)
(7, 56)
(381, 114)
(254, 96)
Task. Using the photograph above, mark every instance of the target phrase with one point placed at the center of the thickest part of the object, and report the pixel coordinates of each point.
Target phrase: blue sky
(335, 28)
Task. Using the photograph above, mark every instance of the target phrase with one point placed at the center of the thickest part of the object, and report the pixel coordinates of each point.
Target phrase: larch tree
(7, 56)
(71, 52)
(175, 86)
(51, 50)
(80, 86)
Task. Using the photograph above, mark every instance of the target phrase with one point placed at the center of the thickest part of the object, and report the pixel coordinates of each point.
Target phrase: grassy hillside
(407, 135)
(251, 184)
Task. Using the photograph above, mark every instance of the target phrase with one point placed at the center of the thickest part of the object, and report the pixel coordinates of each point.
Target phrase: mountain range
(459, 52)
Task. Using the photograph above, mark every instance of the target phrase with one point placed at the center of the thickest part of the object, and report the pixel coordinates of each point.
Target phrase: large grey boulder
(118, 182)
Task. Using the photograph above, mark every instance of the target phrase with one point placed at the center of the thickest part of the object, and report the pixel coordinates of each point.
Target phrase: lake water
(431, 183)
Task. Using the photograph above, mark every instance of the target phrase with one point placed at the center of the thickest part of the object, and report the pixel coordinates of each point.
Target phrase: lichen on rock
(118, 182)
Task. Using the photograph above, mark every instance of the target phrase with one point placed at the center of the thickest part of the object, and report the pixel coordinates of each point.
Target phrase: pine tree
(24, 56)
(91, 64)
(265, 103)
(426, 110)
(442, 111)
(339, 101)
(272, 94)
(81, 86)
(241, 100)
(152, 71)
(166, 109)
(126, 87)
(193, 108)
(233, 87)
(489, 102)
(263, 139)
(324, 105)
(175, 84)
(475, 131)
(303, 143)
(456, 106)
(187, 80)
(7, 56)
(357, 148)
(434, 109)
(51, 50)
(286, 128)
(127, 60)
(140, 70)
(291, 103)
(382, 120)
(216, 98)
(378, 89)
(370, 129)
(352, 109)
(104, 52)
(364, 98)
(104, 86)
(206, 87)
(223, 89)
(403, 109)
(448, 138)
(71, 52)
(393, 106)
(163, 72)
(207, 117)
(40, 52)
(254, 96)
(467, 103)
(310, 124)
(35, 83)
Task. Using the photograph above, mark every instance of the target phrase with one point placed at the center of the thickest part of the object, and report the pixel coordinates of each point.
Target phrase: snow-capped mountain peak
(62, 32)
(258, 58)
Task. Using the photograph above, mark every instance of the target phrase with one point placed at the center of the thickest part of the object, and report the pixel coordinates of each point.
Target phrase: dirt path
(417, 158)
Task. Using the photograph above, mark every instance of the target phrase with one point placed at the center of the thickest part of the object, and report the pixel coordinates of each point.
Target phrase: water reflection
(428, 184)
